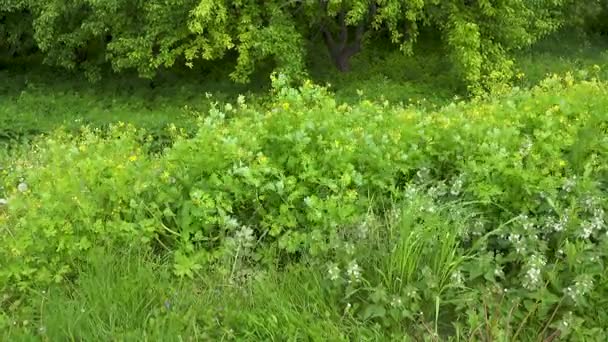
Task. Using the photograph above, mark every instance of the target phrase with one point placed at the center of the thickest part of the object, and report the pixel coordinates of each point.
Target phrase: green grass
(130, 296)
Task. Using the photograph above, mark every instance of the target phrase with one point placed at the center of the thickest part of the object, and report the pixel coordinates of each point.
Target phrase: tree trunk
(342, 62)
(339, 47)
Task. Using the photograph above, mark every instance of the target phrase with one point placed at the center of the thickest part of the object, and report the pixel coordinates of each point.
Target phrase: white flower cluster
(457, 278)
(582, 285)
(557, 225)
(244, 237)
(569, 184)
(533, 276)
(423, 174)
(410, 192)
(526, 147)
(333, 271)
(518, 243)
(456, 188)
(596, 223)
(396, 302)
(354, 271)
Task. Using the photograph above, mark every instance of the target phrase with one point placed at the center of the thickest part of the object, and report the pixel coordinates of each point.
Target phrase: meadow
(385, 204)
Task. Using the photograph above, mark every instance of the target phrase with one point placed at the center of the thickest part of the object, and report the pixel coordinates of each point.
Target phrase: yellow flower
(286, 106)
(133, 158)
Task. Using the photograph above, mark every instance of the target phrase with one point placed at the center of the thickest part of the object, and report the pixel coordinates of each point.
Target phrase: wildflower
(457, 278)
(456, 187)
(590, 202)
(557, 226)
(333, 272)
(499, 273)
(515, 239)
(569, 184)
(423, 174)
(349, 248)
(396, 302)
(3, 202)
(410, 192)
(587, 230)
(245, 237)
(363, 229)
(533, 278)
(22, 187)
(411, 292)
(240, 100)
(354, 271)
(231, 223)
(582, 285)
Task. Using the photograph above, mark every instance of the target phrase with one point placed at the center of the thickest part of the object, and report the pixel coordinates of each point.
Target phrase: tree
(150, 34)
(15, 28)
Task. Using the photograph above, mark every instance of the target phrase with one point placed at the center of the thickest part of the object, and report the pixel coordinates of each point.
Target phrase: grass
(130, 296)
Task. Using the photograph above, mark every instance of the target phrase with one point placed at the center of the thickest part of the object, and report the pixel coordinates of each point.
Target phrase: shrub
(501, 199)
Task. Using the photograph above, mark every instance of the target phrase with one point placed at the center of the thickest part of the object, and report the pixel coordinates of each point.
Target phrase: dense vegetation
(147, 36)
(444, 188)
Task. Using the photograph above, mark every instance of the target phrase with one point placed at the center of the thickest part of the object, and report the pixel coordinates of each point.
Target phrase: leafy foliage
(426, 221)
(151, 35)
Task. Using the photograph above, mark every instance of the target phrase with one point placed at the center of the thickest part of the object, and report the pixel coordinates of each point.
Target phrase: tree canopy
(146, 35)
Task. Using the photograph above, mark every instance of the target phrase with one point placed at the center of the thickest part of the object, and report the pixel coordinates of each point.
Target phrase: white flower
(499, 273)
(354, 271)
(569, 184)
(457, 278)
(22, 187)
(3, 202)
(334, 272)
(533, 277)
(456, 187)
(232, 223)
(587, 230)
(245, 236)
(526, 147)
(556, 226)
(410, 192)
(396, 302)
(582, 285)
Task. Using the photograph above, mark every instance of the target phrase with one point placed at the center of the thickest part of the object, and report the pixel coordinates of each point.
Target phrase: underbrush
(318, 220)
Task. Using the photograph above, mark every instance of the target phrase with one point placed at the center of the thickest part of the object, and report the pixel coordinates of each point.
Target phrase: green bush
(493, 208)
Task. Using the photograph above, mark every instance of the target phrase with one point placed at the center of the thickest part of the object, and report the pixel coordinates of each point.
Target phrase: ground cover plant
(316, 219)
